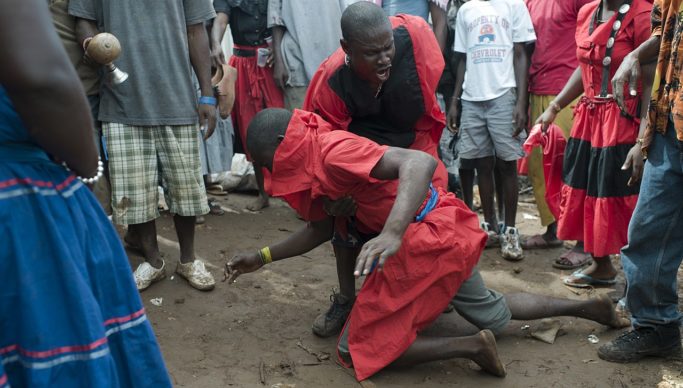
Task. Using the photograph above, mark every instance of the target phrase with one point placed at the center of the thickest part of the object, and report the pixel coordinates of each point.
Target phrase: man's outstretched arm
(303, 240)
(414, 170)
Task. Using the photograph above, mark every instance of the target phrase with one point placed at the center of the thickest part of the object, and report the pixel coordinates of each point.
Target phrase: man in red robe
(381, 84)
(421, 247)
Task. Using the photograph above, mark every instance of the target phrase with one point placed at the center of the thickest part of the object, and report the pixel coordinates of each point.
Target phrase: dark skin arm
(303, 240)
(414, 171)
(630, 69)
(521, 63)
(279, 69)
(85, 29)
(220, 24)
(43, 85)
(635, 158)
(439, 24)
(571, 90)
(454, 111)
(198, 44)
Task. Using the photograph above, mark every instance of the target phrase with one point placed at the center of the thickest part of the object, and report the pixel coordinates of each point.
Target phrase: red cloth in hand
(553, 144)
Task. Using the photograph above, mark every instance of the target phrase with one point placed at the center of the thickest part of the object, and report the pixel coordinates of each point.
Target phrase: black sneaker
(662, 341)
(332, 321)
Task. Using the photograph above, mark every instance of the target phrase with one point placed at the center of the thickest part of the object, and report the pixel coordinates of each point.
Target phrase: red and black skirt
(597, 203)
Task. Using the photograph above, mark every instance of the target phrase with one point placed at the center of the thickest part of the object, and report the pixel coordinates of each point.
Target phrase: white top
(486, 31)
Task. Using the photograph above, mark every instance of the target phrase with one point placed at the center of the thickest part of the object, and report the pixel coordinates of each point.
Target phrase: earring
(347, 60)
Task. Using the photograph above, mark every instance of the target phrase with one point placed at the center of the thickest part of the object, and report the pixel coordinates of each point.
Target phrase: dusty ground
(258, 328)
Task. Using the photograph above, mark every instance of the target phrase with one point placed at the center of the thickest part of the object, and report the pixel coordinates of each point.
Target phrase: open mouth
(383, 73)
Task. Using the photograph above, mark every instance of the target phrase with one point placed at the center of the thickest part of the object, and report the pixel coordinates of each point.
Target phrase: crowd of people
(342, 107)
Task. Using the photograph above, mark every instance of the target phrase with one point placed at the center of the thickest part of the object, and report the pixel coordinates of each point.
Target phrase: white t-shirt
(486, 31)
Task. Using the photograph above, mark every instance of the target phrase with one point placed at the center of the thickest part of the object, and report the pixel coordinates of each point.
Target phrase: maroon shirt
(554, 58)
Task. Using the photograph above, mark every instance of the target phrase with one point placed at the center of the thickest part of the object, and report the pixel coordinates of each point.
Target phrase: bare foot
(604, 312)
(487, 357)
(601, 269)
(261, 202)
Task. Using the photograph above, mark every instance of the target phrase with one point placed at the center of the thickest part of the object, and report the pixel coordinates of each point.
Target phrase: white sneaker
(145, 275)
(196, 273)
(510, 248)
(493, 238)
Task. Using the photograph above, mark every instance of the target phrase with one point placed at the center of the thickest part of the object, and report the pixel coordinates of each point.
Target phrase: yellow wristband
(265, 255)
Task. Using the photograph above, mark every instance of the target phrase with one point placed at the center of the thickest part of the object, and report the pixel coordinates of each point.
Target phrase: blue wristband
(206, 100)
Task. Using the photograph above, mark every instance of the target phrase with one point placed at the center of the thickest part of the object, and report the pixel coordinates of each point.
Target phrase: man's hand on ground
(207, 119)
(240, 264)
(343, 207)
(379, 248)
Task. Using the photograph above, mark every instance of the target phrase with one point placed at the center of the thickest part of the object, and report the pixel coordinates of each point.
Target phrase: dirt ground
(257, 332)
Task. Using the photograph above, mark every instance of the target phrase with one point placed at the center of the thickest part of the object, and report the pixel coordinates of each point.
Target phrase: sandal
(216, 189)
(215, 208)
(537, 241)
(581, 280)
(575, 260)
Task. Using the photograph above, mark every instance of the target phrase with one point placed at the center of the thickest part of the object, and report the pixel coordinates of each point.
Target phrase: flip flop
(588, 281)
(577, 260)
(216, 189)
(537, 241)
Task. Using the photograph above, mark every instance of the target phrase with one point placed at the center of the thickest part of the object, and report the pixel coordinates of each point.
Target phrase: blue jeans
(655, 237)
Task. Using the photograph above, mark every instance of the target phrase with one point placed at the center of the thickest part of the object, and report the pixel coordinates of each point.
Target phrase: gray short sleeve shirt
(154, 53)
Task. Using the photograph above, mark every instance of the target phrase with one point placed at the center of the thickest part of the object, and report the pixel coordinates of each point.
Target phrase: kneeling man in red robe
(420, 249)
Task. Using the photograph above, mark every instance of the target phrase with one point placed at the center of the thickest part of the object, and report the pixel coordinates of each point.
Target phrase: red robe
(407, 98)
(436, 256)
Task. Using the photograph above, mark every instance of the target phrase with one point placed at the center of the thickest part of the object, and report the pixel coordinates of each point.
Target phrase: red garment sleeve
(321, 99)
(306, 207)
(580, 3)
(642, 29)
(430, 64)
(582, 19)
(349, 159)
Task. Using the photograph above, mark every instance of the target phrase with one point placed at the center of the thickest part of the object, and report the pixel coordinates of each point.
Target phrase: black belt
(243, 53)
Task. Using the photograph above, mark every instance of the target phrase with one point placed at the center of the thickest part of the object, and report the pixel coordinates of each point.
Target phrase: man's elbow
(429, 163)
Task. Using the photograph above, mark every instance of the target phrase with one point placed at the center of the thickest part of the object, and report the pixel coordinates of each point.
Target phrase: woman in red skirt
(603, 161)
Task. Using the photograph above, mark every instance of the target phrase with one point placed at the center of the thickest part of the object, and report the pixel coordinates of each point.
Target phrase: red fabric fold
(436, 256)
(552, 144)
(255, 90)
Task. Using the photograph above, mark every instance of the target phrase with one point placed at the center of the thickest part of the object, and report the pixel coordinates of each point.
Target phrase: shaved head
(266, 131)
(360, 20)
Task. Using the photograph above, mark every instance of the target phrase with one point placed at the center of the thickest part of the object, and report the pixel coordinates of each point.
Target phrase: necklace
(607, 60)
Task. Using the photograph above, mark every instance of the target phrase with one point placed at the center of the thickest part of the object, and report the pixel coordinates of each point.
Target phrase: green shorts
(481, 306)
(138, 156)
